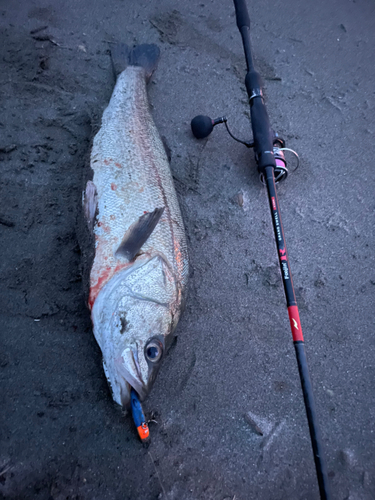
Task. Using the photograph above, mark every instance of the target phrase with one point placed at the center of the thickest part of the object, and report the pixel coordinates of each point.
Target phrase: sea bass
(139, 259)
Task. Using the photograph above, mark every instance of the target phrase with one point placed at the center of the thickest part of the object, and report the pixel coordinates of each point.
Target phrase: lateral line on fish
(148, 149)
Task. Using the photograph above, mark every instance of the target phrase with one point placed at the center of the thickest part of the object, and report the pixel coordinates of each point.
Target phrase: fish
(137, 257)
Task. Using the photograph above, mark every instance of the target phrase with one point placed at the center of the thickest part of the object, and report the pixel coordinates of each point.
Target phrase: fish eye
(154, 351)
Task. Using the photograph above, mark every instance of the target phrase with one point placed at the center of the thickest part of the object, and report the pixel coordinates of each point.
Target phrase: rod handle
(242, 14)
(262, 133)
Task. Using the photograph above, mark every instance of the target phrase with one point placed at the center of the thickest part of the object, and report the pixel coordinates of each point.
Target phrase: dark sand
(62, 437)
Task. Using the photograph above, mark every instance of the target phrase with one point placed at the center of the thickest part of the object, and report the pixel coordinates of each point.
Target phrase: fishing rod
(269, 154)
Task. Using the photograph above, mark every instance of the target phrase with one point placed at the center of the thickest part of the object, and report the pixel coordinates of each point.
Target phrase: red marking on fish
(105, 276)
(102, 280)
(118, 165)
(113, 186)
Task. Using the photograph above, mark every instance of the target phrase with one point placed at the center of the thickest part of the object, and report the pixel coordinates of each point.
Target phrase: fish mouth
(125, 391)
(127, 385)
(132, 375)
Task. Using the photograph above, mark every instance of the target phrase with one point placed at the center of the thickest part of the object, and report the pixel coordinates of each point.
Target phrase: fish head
(133, 318)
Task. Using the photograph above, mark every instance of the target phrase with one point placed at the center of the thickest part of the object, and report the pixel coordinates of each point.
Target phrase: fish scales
(132, 176)
(135, 303)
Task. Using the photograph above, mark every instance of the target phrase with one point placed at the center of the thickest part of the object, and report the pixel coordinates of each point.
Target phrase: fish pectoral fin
(90, 203)
(138, 233)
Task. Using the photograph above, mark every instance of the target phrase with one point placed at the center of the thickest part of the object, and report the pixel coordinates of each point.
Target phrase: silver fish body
(135, 300)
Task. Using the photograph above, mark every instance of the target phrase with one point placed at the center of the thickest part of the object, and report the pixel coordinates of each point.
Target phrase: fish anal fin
(138, 233)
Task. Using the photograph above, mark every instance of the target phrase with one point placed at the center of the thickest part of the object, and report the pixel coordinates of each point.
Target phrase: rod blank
(263, 146)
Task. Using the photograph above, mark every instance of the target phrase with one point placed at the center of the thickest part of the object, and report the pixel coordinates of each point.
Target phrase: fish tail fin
(145, 55)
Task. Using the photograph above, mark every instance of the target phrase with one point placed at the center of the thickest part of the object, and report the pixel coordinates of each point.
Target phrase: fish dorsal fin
(138, 233)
